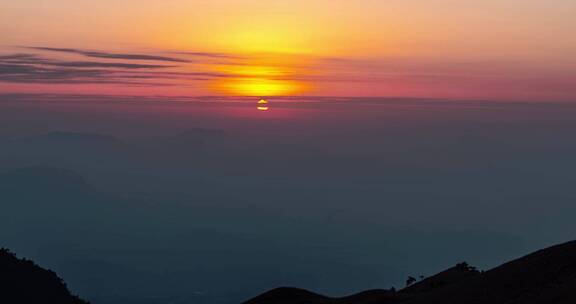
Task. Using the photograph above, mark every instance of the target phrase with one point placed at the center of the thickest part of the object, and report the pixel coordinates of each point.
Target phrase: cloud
(108, 55)
(32, 59)
(91, 64)
(18, 56)
(30, 68)
(33, 68)
(209, 55)
(30, 74)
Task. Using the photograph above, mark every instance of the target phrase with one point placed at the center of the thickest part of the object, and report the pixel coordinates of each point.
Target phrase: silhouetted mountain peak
(22, 281)
(288, 295)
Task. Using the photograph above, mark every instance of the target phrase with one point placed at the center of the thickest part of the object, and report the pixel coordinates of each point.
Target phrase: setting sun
(263, 105)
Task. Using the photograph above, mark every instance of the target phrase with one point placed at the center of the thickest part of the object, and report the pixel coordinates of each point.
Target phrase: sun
(263, 105)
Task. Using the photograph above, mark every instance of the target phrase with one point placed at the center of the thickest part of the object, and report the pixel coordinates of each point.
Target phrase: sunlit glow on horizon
(254, 86)
(252, 48)
(262, 75)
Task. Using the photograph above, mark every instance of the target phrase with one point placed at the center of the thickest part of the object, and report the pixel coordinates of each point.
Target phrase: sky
(491, 49)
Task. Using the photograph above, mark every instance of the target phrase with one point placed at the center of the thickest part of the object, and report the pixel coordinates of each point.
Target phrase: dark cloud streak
(28, 68)
(209, 55)
(91, 64)
(107, 55)
(32, 59)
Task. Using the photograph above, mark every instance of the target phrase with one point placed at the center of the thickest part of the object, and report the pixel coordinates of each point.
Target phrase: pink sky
(505, 49)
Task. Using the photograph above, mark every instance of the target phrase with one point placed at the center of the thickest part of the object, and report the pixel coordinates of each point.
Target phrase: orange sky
(501, 49)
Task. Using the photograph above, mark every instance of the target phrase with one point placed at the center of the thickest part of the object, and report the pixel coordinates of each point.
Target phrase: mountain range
(547, 276)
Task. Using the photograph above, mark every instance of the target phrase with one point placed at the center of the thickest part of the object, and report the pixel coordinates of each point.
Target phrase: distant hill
(23, 282)
(545, 277)
(42, 179)
(203, 134)
(60, 143)
(200, 137)
(286, 295)
(75, 137)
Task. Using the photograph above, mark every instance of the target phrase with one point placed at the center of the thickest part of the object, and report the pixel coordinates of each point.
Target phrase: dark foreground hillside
(23, 282)
(546, 276)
